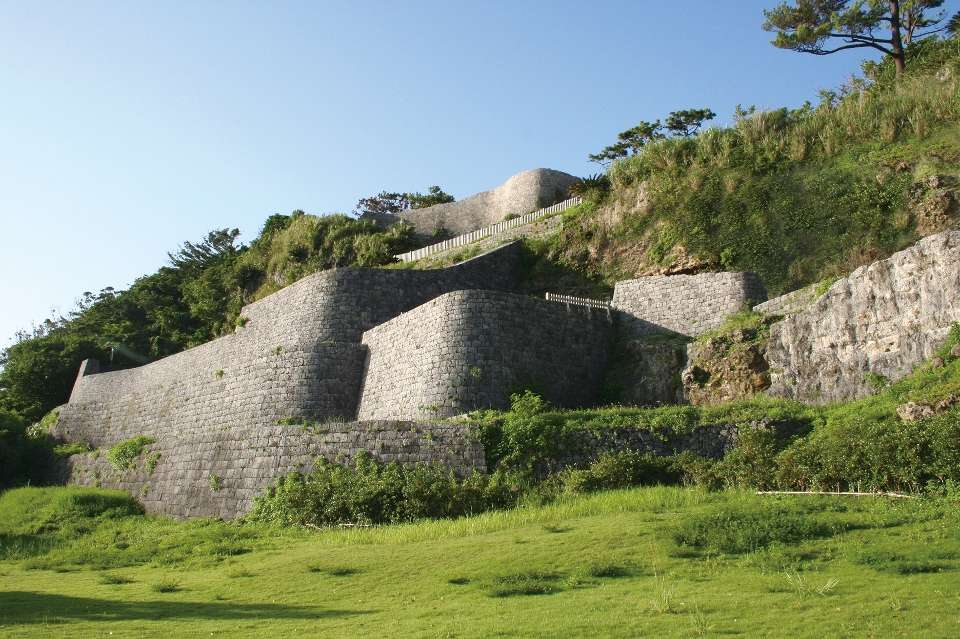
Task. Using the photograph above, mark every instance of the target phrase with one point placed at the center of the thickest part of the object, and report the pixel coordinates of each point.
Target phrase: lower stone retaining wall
(219, 472)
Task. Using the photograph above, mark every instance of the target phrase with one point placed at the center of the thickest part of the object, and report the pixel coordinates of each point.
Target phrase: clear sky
(129, 127)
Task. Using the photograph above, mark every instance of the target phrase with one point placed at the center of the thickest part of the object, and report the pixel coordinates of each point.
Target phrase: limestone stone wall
(789, 303)
(297, 354)
(522, 193)
(235, 380)
(217, 472)
(339, 305)
(884, 319)
(685, 304)
(471, 349)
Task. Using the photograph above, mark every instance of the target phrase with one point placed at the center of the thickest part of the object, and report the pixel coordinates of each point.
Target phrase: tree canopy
(823, 27)
(683, 123)
(391, 203)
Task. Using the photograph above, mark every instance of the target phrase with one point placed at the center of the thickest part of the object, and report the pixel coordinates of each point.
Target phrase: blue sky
(127, 127)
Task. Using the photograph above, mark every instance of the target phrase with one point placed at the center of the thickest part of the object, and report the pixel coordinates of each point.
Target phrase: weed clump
(525, 584)
(123, 455)
(747, 527)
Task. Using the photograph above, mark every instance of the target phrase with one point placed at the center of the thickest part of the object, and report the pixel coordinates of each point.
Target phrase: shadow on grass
(21, 607)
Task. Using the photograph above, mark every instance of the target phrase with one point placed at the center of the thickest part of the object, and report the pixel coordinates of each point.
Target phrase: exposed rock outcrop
(726, 367)
(882, 320)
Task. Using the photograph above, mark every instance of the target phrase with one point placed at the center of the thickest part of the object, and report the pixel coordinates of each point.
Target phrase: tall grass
(912, 107)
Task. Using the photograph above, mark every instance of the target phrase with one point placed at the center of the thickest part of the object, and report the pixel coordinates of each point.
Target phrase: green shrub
(369, 492)
(166, 586)
(525, 583)
(66, 450)
(621, 469)
(123, 455)
(26, 455)
(746, 527)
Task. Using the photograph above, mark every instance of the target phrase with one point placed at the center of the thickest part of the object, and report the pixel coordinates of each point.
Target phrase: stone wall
(884, 319)
(339, 305)
(234, 380)
(522, 193)
(296, 355)
(685, 304)
(789, 303)
(471, 349)
(645, 371)
(217, 472)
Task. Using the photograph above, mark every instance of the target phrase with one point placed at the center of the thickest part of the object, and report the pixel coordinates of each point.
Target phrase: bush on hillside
(24, 459)
(747, 527)
(621, 469)
(369, 492)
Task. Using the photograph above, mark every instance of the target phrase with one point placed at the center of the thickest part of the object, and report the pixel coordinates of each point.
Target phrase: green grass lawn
(671, 562)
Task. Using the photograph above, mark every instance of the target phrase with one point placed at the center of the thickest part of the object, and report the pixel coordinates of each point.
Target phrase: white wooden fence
(487, 231)
(579, 301)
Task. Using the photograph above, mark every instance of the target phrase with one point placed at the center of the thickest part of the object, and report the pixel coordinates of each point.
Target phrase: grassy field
(673, 562)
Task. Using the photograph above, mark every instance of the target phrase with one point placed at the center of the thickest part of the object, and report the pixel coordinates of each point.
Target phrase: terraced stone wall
(471, 349)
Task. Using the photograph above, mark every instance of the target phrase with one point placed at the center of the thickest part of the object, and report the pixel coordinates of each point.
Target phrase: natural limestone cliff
(882, 320)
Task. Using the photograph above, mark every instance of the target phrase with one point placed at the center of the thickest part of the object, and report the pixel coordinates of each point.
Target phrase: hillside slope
(797, 195)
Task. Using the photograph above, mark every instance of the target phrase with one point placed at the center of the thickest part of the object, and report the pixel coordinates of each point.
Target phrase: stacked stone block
(472, 349)
(522, 193)
(685, 304)
(218, 472)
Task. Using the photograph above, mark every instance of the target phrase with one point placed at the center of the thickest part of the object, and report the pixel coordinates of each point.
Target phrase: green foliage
(24, 457)
(888, 574)
(434, 195)
(74, 448)
(595, 185)
(390, 203)
(525, 584)
(368, 492)
(65, 528)
(745, 323)
(124, 454)
(797, 195)
(621, 469)
(682, 123)
(206, 252)
(748, 527)
(814, 26)
(167, 585)
(34, 520)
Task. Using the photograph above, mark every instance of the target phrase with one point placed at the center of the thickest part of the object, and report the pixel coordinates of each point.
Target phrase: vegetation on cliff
(796, 195)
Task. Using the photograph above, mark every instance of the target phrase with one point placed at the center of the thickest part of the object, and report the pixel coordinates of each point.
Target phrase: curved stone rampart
(522, 193)
(470, 349)
(339, 305)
